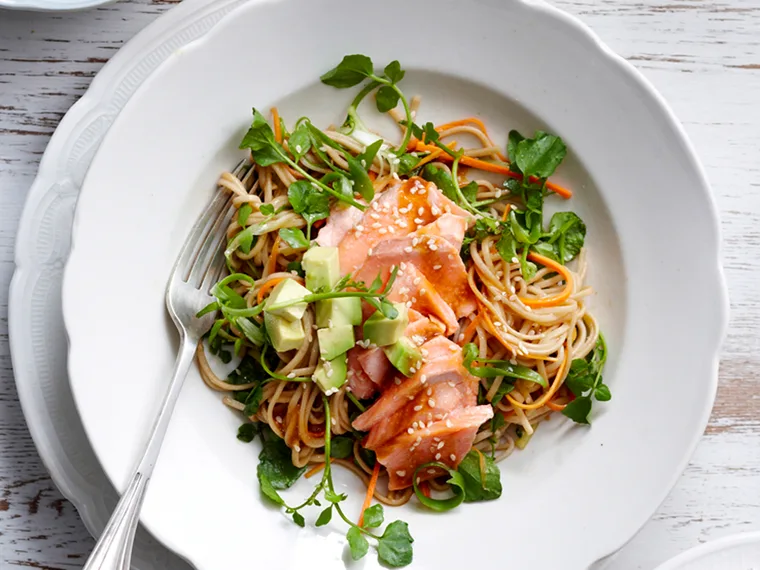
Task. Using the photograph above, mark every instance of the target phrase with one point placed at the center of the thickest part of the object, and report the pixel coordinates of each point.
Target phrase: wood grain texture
(703, 56)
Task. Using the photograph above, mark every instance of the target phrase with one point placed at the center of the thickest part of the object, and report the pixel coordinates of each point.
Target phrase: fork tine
(195, 239)
(209, 248)
(215, 271)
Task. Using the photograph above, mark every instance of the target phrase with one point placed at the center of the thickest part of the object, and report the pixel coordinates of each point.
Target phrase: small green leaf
(333, 497)
(514, 139)
(297, 267)
(507, 247)
(268, 490)
(341, 447)
(362, 182)
(357, 543)
(246, 432)
(294, 238)
(298, 519)
(386, 98)
(478, 485)
(299, 142)
(394, 548)
(373, 516)
(470, 191)
(541, 155)
(352, 70)
(243, 212)
(602, 393)
(578, 410)
(441, 179)
(324, 517)
(407, 163)
(275, 463)
(253, 401)
(370, 152)
(394, 72)
(579, 378)
(267, 209)
(311, 203)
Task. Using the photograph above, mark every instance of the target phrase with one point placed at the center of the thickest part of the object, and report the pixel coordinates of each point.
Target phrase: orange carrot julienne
(556, 407)
(276, 121)
(554, 300)
(432, 156)
(462, 122)
(266, 287)
(425, 488)
(370, 491)
(549, 394)
(420, 146)
(314, 470)
(272, 264)
(469, 331)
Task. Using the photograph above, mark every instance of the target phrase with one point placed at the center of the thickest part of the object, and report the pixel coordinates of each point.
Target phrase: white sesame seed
(437, 456)
(401, 473)
(410, 398)
(420, 211)
(436, 267)
(417, 408)
(423, 291)
(298, 148)
(418, 440)
(435, 210)
(431, 403)
(417, 281)
(412, 369)
(431, 471)
(292, 375)
(408, 249)
(433, 247)
(402, 224)
(369, 251)
(374, 215)
(429, 391)
(422, 425)
(278, 419)
(415, 241)
(382, 231)
(377, 225)
(414, 300)
(297, 447)
(391, 229)
(408, 304)
(413, 190)
(498, 193)
(375, 206)
(419, 221)
(447, 209)
(329, 373)
(423, 378)
(333, 421)
(410, 431)
(441, 444)
(423, 190)
(460, 337)
(403, 290)
(449, 424)
(498, 324)
(453, 457)
(397, 381)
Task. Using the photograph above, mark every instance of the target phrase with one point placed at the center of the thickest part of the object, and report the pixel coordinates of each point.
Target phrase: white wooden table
(704, 57)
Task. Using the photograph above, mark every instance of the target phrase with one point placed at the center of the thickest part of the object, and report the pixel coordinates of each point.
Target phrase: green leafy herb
(540, 155)
(367, 157)
(342, 447)
(308, 201)
(584, 379)
(513, 140)
(441, 179)
(299, 142)
(362, 182)
(297, 267)
(387, 98)
(351, 71)
(567, 233)
(407, 163)
(275, 465)
(246, 432)
(455, 481)
(498, 367)
(394, 547)
(253, 400)
(294, 238)
(481, 477)
(266, 209)
(357, 543)
(373, 516)
(324, 517)
(243, 212)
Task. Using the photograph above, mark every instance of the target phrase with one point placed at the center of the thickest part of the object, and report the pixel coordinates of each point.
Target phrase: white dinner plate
(735, 552)
(53, 5)
(661, 298)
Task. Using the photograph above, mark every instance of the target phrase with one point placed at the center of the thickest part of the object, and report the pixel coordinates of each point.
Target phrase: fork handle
(113, 550)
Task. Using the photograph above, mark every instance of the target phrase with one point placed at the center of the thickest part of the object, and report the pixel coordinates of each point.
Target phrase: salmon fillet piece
(421, 328)
(411, 285)
(442, 363)
(360, 384)
(433, 257)
(398, 211)
(403, 454)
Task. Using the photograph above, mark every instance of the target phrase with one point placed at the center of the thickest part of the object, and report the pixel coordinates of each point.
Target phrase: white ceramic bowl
(735, 552)
(653, 248)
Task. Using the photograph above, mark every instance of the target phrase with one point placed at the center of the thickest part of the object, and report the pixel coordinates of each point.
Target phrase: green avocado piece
(382, 331)
(322, 268)
(331, 374)
(335, 341)
(404, 355)
(285, 291)
(285, 335)
(340, 311)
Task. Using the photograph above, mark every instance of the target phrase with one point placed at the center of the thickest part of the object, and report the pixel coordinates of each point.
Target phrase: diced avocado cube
(340, 311)
(331, 374)
(286, 335)
(335, 341)
(285, 291)
(404, 355)
(382, 331)
(322, 267)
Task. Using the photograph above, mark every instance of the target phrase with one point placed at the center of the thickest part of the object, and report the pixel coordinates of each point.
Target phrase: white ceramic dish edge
(718, 280)
(37, 342)
(695, 557)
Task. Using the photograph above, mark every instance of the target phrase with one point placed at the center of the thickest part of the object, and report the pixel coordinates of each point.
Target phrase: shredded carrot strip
(432, 156)
(314, 470)
(420, 146)
(462, 122)
(506, 213)
(266, 287)
(549, 394)
(556, 299)
(425, 488)
(555, 407)
(370, 491)
(272, 265)
(276, 121)
(372, 175)
(469, 331)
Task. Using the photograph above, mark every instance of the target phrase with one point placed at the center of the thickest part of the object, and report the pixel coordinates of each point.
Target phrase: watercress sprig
(585, 381)
(352, 70)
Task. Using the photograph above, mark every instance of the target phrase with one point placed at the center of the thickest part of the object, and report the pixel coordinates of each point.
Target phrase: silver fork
(198, 268)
